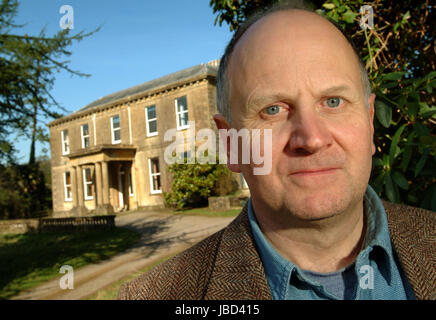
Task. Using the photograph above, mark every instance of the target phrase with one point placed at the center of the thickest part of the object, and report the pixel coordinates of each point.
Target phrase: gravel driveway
(162, 234)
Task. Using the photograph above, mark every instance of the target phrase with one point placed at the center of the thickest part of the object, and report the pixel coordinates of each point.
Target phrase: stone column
(81, 209)
(105, 186)
(74, 186)
(80, 197)
(98, 185)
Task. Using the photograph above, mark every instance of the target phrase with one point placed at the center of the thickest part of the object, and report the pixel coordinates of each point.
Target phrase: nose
(309, 132)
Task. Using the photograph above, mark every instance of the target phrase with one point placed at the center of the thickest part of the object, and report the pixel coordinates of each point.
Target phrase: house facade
(109, 155)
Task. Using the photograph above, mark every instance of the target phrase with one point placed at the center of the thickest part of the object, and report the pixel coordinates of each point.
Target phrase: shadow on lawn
(30, 259)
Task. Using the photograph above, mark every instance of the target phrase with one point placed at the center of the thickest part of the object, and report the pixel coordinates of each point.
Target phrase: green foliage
(23, 192)
(404, 168)
(400, 58)
(27, 67)
(193, 183)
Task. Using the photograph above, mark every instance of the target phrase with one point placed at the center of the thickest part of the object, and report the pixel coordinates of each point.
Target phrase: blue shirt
(376, 273)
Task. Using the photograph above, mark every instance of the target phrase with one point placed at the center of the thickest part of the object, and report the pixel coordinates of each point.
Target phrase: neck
(325, 245)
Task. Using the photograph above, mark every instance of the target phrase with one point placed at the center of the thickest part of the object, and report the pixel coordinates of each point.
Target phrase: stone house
(109, 155)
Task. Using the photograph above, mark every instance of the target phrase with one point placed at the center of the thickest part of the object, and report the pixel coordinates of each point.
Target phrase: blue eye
(272, 110)
(333, 102)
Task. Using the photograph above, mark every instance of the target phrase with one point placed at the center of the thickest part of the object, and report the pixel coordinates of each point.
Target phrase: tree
(400, 55)
(23, 192)
(27, 73)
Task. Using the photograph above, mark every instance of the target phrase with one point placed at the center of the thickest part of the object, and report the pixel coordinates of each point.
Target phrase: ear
(371, 111)
(222, 123)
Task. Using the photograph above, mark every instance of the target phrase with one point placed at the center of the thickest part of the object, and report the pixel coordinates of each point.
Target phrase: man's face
(294, 73)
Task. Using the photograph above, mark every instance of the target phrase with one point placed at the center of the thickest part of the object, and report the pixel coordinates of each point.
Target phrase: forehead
(287, 47)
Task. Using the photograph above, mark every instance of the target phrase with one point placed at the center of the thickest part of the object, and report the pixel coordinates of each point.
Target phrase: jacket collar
(412, 233)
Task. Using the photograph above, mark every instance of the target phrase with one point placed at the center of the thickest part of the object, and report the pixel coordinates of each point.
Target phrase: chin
(313, 208)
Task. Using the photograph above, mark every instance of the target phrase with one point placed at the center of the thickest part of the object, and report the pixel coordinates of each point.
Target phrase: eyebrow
(277, 96)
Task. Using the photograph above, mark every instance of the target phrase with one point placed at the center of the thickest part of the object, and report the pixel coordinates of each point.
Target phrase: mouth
(314, 172)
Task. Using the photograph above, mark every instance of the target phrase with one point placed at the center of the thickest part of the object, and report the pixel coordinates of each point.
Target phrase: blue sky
(139, 41)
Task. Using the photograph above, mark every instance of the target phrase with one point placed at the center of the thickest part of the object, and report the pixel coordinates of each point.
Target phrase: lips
(314, 172)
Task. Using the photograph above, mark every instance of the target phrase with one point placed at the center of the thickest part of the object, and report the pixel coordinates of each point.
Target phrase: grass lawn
(28, 260)
(111, 291)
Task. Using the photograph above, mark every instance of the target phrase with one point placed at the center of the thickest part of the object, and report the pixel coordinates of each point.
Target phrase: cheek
(355, 139)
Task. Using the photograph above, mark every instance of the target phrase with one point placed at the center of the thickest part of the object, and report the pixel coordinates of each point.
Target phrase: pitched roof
(176, 78)
(184, 74)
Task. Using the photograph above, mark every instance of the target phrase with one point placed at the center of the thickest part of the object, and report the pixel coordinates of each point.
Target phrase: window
(151, 121)
(153, 167)
(65, 142)
(116, 129)
(87, 183)
(182, 113)
(85, 136)
(67, 186)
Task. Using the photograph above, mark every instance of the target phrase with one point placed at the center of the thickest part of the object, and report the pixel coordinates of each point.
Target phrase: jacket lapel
(238, 271)
(413, 236)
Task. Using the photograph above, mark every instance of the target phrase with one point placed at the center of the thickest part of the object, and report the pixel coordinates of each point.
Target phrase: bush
(193, 183)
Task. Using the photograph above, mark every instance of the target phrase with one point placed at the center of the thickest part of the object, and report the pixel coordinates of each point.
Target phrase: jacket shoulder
(180, 277)
(403, 219)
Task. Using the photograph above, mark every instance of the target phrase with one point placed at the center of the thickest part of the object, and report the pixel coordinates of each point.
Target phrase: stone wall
(20, 226)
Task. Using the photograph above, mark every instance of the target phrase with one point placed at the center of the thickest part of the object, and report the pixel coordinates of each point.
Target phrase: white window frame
(86, 183)
(67, 141)
(178, 113)
(68, 199)
(113, 129)
(151, 175)
(83, 136)
(147, 121)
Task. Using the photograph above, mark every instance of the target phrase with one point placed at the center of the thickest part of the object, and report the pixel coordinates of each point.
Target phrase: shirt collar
(278, 270)
(377, 238)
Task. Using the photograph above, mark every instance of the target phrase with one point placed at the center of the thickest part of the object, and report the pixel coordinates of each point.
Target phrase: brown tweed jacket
(226, 265)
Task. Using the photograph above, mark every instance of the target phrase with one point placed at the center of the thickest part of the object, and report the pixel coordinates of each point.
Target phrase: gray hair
(223, 85)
